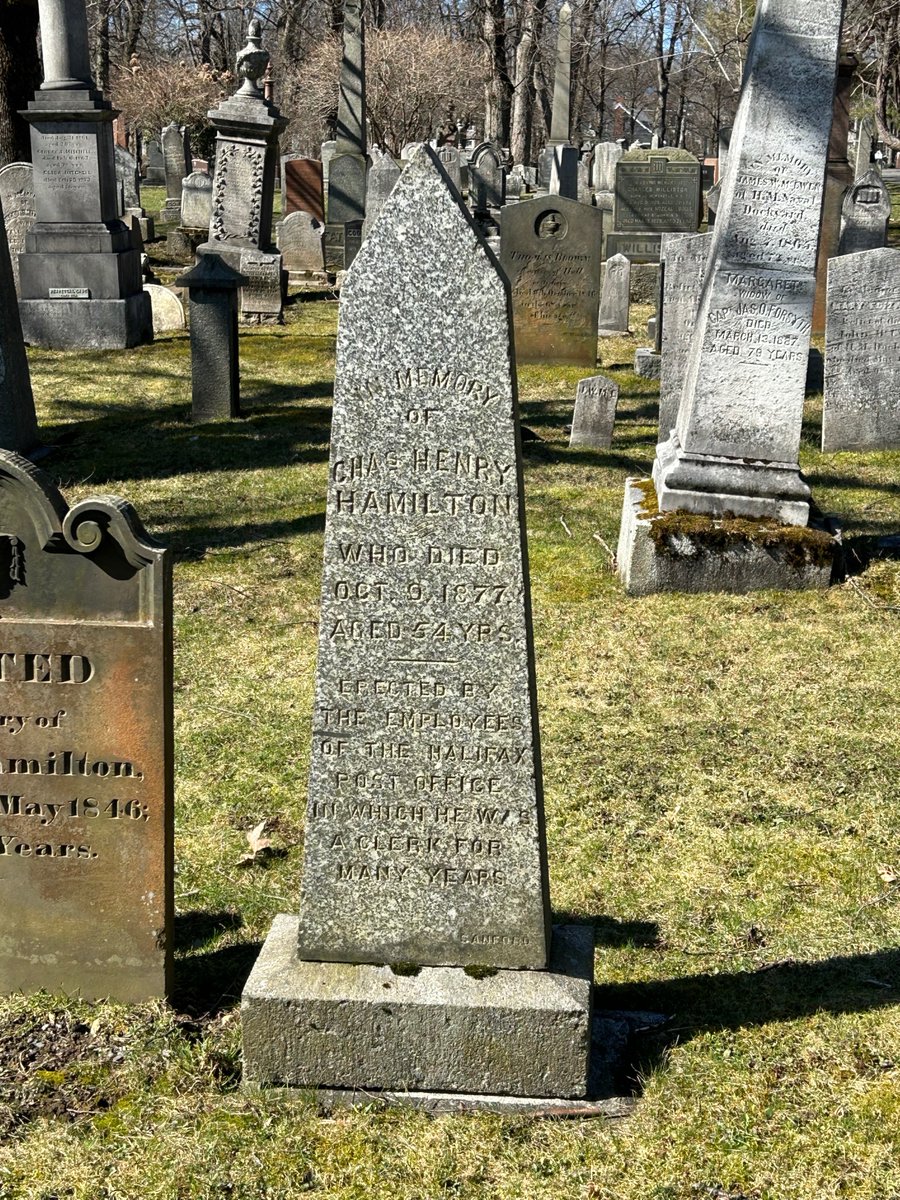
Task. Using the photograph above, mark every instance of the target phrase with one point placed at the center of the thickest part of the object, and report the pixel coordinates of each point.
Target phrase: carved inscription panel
(85, 747)
(237, 192)
(862, 360)
(423, 831)
(66, 174)
(657, 196)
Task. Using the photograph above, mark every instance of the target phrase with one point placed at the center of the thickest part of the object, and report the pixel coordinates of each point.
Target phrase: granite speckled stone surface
(424, 838)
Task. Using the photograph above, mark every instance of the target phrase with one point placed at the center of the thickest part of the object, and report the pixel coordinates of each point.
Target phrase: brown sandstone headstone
(302, 187)
(85, 745)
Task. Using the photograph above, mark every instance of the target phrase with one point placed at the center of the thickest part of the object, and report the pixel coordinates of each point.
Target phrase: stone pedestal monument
(422, 958)
(80, 275)
(248, 128)
(734, 449)
(347, 172)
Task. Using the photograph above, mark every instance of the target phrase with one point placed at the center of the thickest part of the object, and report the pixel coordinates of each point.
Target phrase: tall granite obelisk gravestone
(425, 832)
(346, 201)
(240, 229)
(559, 120)
(86, 685)
(80, 275)
(734, 449)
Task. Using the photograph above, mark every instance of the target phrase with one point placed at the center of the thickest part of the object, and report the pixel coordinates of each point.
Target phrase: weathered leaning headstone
(861, 408)
(424, 839)
(17, 200)
(18, 422)
(300, 240)
(595, 412)
(735, 445)
(865, 214)
(683, 258)
(615, 297)
(550, 250)
(382, 178)
(86, 807)
(80, 281)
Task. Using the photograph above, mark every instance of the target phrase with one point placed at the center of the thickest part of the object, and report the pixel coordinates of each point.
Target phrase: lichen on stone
(797, 545)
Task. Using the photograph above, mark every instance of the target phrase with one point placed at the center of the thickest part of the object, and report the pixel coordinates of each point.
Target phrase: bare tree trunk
(887, 74)
(522, 103)
(20, 76)
(101, 47)
(498, 87)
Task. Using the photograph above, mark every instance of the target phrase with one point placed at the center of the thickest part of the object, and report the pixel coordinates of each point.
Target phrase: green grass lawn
(722, 804)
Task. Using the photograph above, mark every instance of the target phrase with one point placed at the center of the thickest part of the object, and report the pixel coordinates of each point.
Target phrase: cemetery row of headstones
(424, 845)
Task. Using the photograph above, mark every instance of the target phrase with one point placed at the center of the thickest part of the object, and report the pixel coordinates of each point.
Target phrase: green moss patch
(798, 545)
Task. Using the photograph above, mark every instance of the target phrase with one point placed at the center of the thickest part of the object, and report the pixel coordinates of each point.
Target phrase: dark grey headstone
(262, 293)
(215, 381)
(487, 178)
(18, 423)
(86, 809)
(862, 353)
(550, 250)
(657, 196)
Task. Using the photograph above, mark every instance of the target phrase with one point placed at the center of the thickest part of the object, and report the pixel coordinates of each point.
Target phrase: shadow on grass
(209, 984)
(782, 991)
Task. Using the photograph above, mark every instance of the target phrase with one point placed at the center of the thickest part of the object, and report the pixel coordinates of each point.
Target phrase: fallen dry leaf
(886, 874)
(257, 842)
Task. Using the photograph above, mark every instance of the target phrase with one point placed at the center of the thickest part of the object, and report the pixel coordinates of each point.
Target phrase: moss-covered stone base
(687, 552)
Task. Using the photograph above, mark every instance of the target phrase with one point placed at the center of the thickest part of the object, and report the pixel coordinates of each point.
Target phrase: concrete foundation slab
(435, 1029)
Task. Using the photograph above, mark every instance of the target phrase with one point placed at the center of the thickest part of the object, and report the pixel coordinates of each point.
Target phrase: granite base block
(439, 1029)
(719, 558)
(647, 364)
(87, 324)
